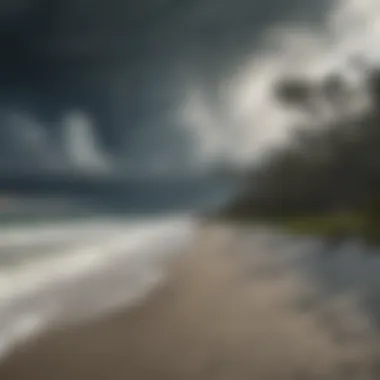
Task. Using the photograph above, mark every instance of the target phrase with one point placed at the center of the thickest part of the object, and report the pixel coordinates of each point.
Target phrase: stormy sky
(123, 86)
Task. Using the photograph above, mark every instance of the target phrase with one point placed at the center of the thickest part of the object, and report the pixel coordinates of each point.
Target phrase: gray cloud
(126, 64)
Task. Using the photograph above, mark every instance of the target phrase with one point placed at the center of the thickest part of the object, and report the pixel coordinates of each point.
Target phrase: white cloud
(252, 121)
(81, 145)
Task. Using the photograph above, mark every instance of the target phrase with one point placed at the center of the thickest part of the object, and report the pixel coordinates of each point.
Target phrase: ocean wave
(120, 264)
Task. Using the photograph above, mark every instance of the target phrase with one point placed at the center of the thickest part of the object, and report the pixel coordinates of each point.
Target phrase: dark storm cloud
(121, 61)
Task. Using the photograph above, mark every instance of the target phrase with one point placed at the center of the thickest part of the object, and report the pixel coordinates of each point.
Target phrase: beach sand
(220, 314)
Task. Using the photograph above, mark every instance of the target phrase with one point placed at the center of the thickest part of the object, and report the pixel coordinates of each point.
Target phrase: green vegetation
(334, 225)
(339, 225)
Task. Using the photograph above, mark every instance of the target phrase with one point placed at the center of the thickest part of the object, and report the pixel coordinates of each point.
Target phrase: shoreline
(88, 278)
(234, 306)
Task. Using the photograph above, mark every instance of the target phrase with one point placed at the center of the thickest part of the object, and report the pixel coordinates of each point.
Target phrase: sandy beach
(230, 308)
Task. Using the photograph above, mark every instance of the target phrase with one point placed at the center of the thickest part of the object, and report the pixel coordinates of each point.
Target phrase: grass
(363, 224)
(326, 225)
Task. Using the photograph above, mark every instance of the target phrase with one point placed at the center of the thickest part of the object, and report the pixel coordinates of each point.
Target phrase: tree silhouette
(331, 169)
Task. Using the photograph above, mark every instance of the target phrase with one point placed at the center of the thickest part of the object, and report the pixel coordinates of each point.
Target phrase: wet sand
(224, 312)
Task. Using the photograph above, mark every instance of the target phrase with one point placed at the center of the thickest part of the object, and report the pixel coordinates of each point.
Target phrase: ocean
(54, 255)
(48, 270)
